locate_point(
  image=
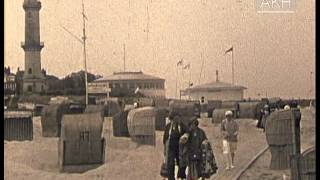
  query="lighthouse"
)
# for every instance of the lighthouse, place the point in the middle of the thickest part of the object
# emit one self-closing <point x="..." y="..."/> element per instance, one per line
<point x="34" y="77"/>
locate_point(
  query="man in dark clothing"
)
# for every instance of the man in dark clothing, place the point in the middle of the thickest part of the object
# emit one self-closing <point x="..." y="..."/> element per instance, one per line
<point x="194" y="154"/>
<point x="263" y="113"/>
<point x="297" y="119"/>
<point x="259" y="117"/>
<point x="173" y="131"/>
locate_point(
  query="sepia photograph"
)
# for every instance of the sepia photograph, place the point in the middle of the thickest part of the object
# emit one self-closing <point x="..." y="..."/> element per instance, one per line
<point x="159" y="90"/>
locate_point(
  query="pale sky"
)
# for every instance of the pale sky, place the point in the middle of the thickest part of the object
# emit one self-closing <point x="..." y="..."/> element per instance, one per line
<point x="273" y="53"/>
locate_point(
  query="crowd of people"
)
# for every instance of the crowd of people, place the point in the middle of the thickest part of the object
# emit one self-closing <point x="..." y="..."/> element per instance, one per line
<point x="184" y="145"/>
<point x="187" y="146"/>
<point x="266" y="111"/>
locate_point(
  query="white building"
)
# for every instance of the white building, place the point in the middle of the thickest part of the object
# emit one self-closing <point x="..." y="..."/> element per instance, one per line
<point x="122" y="83"/>
<point x="215" y="90"/>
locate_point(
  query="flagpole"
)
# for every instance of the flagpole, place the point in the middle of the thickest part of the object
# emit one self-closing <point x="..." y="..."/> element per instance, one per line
<point x="182" y="66"/>
<point x="189" y="82"/>
<point x="232" y="68"/>
<point x="84" y="52"/>
<point x="189" y="77"/>
<point x="201" y="68"/>
<point x="177" y="82"/>
<point x="180" y="82"/>
<point x="182" y="72"/>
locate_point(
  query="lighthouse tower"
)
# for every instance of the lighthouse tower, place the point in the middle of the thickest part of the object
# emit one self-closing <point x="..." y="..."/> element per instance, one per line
<point x="34" y="77"/>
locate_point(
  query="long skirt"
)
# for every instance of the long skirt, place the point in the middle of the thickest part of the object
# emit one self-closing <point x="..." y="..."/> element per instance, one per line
<point x="194" y="170"/>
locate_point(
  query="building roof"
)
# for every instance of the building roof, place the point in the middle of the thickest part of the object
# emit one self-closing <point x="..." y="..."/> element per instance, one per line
<point x="128" y="76"/>
<point x="216" y="85"/>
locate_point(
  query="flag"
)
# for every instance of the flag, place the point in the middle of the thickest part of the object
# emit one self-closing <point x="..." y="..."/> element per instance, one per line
<point x="85" y="16"/>
<point x="231" y="49"/>
<point x="180" y="63"/>
<point x="187" y="66"/>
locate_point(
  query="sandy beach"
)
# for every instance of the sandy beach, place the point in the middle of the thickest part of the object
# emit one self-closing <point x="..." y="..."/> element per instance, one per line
<point x="38" y="159"/>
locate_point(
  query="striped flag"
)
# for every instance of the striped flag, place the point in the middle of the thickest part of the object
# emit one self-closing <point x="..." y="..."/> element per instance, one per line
<point x="180" y="63"/>
<point x="229" y="50"/>
<point x="187" y="66"/>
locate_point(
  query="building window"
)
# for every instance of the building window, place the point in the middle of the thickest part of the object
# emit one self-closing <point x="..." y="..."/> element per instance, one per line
<point x="111" y="85"/>
<point x="30" y="88"/>
<point x="29" y="71"/>
<point x="146" y="85"/>
<point x="125" y="85"/>
<point x="84" y="136"/>
<point x="202" y="99"/>
<point x="139" y="85"/>
<point x="151" y="86"/>
<point x="116" y="85"/>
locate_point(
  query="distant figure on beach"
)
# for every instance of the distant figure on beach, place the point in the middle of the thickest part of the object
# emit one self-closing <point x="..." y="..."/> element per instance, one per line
<point x="173" y="131"/>
<point x="265" y="114"/>
<point x="259" y="123"/>
<point x="297" y="120"/>
<point x="229" y="130"/>
<point x="286" y="107"/>
<point x="135" y="105"/>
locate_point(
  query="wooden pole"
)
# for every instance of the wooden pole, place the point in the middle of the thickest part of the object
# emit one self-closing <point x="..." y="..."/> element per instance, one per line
<point x="84" y="52"/>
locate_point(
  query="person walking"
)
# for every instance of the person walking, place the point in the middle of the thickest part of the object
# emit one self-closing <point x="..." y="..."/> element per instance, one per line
<point x="173" y="131"/>
<point x="265" y="115"/>
<point x="194" y="152"/>
<point x="297" y="120"/>
<point x="259" y="117"/>
<point x="229" y="130"/>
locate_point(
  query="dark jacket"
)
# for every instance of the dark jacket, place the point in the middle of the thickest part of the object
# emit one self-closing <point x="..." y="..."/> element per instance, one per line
<point x="196" y="137"/>
<point x="178" y="130"/>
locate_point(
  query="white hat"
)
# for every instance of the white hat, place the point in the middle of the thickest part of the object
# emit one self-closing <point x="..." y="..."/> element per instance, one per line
<point x="135" y="105"/>
<point x="228" y="113"/>
<point x="286" y="107"/>
<point x="266" y="106"/>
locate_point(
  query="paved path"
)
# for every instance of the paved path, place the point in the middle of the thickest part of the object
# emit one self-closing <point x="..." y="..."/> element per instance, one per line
<point x="251" y="142"/>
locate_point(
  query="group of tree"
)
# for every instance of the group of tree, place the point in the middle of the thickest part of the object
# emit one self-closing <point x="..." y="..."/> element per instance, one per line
<point x="72" y="84"/>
